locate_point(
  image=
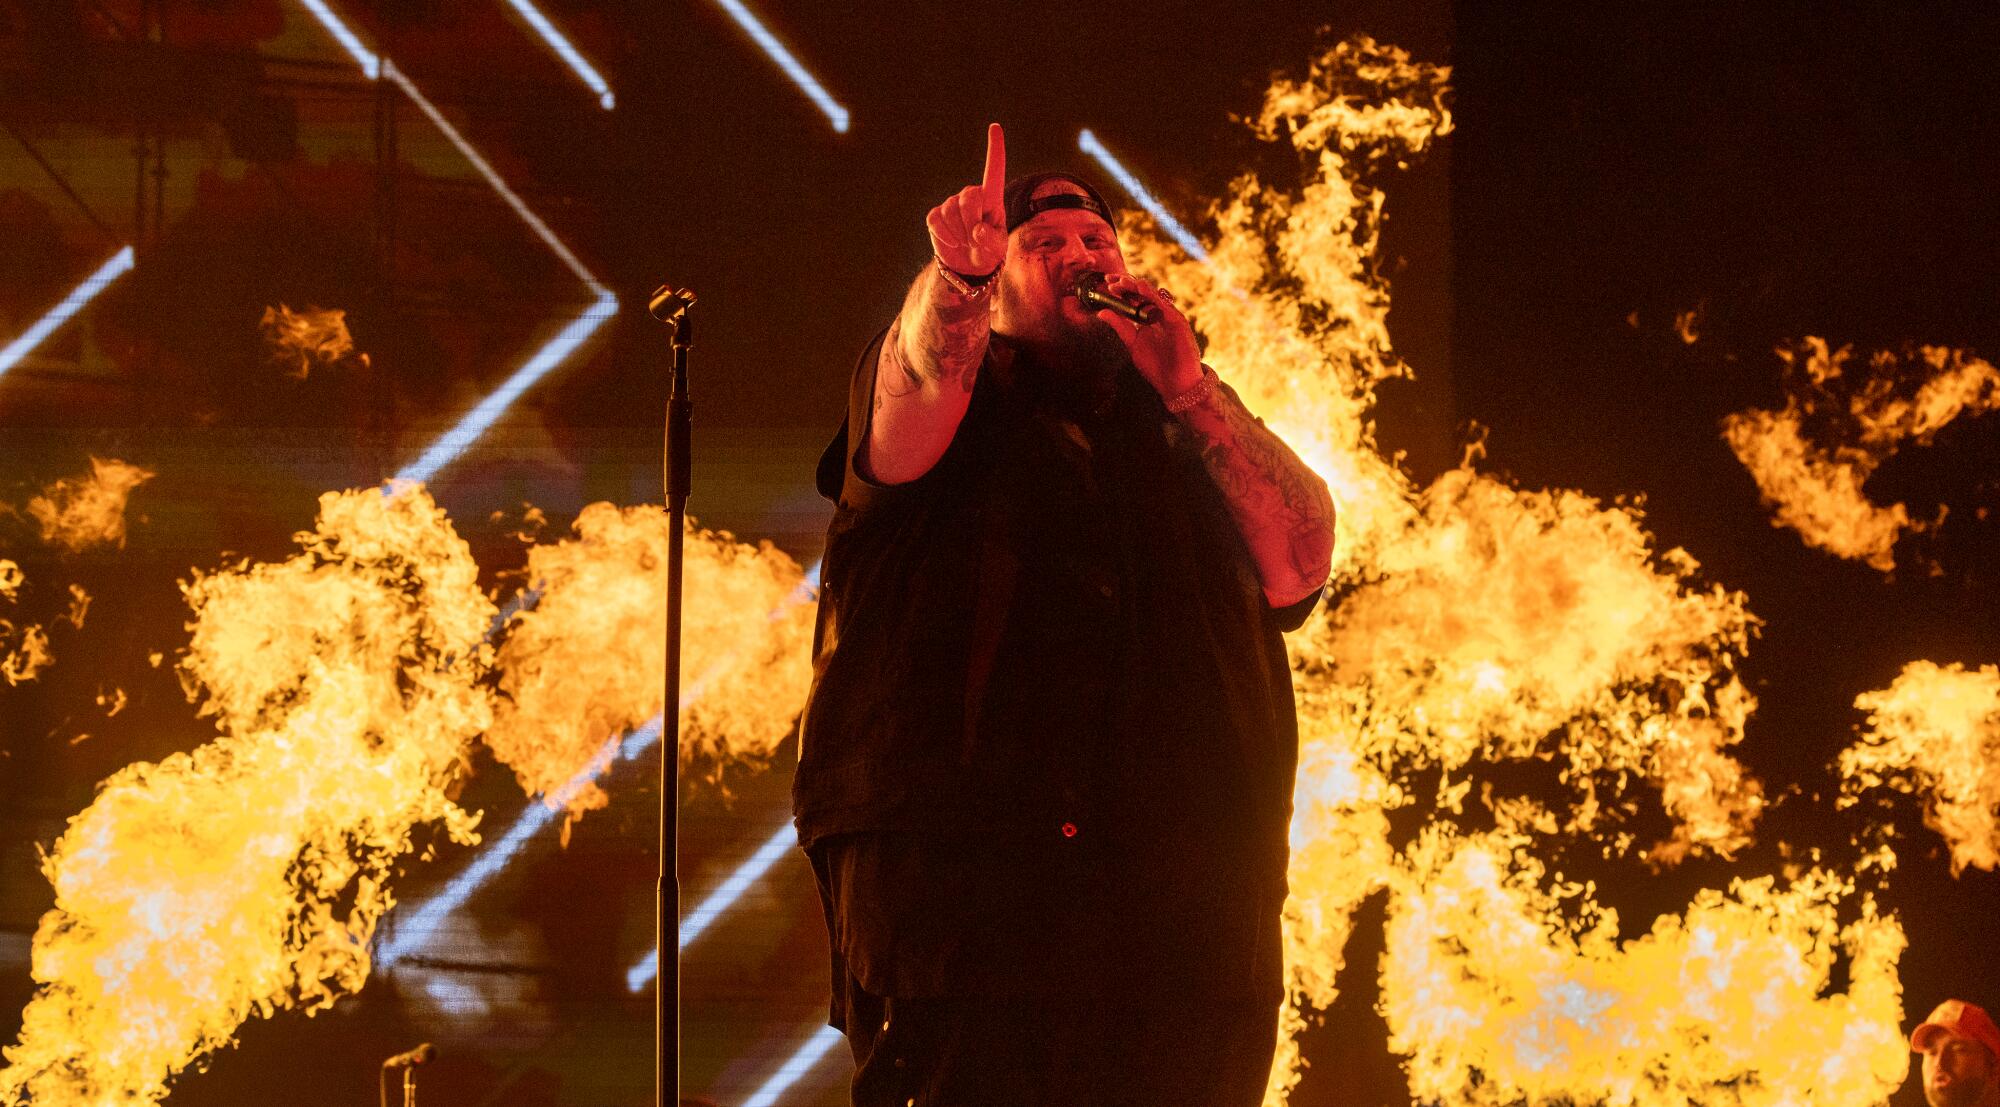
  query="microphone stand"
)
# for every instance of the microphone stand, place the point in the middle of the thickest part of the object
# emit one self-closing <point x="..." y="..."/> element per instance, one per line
<point x="670" y="306"/>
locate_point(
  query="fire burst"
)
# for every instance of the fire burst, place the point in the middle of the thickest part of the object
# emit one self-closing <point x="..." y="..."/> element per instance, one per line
<point x="583" y="663"/>
<point x="79" y="512"/>
<point x="1935" y="732"/>
<point x="1814" y="486"/>
<point x="250" y="874"/>
<point x="1477" y="624"/>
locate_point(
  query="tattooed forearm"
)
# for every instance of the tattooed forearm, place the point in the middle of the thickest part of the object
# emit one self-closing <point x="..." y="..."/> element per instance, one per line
<point x="940" y="336"/>
<point x="923" y="382"/>
<point x="1282" y="507"/>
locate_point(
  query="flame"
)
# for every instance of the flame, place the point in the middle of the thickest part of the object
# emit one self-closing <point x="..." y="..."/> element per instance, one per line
<point x="248" y="875"/>
<point x="24" y="650"/>
<point x="1813" y="482"/>
<point x="1476" y="623"/>
<point x="79" y="512"/>
<point x="1486" y="973"/>
<point x="585" y="662"/>
<point x="306" y="339"/>
<point x="113" y="700"/>
<point x="1935" y="732"/>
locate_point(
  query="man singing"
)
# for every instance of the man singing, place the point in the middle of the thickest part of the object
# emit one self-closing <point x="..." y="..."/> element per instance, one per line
<point x="1046" y="768"/>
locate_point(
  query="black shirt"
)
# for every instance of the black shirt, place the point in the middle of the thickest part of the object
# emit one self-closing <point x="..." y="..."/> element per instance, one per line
<point x="1051" y="737"/>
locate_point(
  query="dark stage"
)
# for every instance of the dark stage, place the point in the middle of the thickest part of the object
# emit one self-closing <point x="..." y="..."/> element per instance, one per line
<point x="1650" y="725"/>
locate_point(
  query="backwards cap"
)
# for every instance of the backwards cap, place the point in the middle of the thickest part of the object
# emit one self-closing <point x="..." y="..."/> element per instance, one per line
<point x="1022" y="206"/>
<point x="1960" y="1019"/>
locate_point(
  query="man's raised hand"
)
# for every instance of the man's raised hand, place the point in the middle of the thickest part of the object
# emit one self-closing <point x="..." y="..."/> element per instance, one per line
<point x="969" y="230"/>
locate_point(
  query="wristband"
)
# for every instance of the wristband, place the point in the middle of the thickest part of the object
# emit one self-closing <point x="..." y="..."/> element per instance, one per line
<point x="969" y="287"/>
<point x="1196" y="393"/>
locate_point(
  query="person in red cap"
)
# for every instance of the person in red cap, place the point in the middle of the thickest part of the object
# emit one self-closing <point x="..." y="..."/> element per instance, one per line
<point x="1961" y="1049"/>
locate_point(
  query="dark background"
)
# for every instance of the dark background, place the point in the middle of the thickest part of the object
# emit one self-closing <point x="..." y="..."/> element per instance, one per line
<point x="1784" y="169"/>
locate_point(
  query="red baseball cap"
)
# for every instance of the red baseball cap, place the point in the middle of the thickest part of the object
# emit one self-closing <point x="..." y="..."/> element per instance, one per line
<point x="1959" y="1018"/>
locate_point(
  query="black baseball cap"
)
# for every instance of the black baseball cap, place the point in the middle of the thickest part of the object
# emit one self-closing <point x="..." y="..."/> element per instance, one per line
<point x="1022" y="206"/>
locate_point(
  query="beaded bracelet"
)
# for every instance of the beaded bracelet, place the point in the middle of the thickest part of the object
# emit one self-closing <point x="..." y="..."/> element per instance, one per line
<point x="1195" y="394"/>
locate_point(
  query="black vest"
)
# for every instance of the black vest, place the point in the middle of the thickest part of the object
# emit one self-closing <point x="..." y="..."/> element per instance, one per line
<point x="1056" y="630"/>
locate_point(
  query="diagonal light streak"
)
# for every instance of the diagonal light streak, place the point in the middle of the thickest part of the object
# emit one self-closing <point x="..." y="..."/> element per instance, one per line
<point x="484" y="414"/>
<point x="795" y="1067"/>
<point x="1089" y="144"/>
<point x="424" y="919"/>
<point x="82" y="294"/>
<point x="413" y="932"/>
<point x="783" y="842"/>
<point x="493" y="178"/>
<point x="604" y="304"/>
<point x="368" y="60"/>
<point x="570" y="55"/>
<point x="776" y="51"/>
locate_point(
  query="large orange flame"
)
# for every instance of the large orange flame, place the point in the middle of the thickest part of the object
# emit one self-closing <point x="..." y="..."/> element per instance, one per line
<point x="1935" y="732"/>
<point x="1813" y="483"/>
<point x="1478" y="623"/>
<point x="1498" y="995"/>
<point x="585" y="661"/>
<point x="249" y="875"/>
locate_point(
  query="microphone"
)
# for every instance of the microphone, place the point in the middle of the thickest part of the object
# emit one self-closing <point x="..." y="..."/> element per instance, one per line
<point x="418" y="1056"/>
<point x="1090" y="289"/>
<point x="666" y="302"/>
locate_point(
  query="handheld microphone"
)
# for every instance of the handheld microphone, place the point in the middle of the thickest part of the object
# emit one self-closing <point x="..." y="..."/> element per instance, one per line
<point x="423" y="1054"/>
<point x="1090" y="289"/>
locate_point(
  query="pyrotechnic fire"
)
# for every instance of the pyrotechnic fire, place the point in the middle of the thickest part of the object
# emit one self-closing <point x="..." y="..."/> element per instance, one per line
<point x="305" y="339"/>
<point x="1813" y="482"/>
<point x="79" y="512"/>
<point x="1935" y="732"/>
<point x="249" y="875"/>
<point x="584" y="662"/>
<point x="24" y="650"/>
<point x="1478" y="623"/>
<point x="1500" y="996"/>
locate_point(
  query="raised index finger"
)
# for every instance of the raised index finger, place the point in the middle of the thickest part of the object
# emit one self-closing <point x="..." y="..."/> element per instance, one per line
<point x="995" y="184"/>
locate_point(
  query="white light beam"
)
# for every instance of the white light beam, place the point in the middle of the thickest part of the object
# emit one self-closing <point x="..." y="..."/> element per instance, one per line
<point x="368" y="60"/>
<point x="722" y="899"/>
<point x="481" y="418"/>
<point x="795" y="1067"/>
<point x="568" y="53"/>
<point x="758" y="33"/>
<point x="1088" y="143"/>
<point x="415" y="930"/>
<point x="82" y="294"/>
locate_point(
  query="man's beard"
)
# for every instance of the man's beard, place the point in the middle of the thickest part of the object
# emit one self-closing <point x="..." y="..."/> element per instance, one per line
<point x="1074" y="370"/>
<point x="1961" y="1093"/>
